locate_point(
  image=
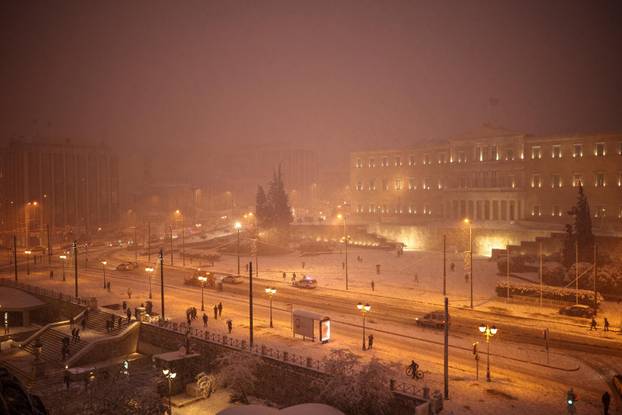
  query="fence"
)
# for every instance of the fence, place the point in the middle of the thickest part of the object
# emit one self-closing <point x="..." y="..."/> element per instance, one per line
<point x="57" y="295"/>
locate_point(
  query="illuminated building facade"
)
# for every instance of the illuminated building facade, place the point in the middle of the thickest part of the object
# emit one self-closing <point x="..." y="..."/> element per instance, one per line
<point x="491" y="175"/>
<point x="60" y="185"/>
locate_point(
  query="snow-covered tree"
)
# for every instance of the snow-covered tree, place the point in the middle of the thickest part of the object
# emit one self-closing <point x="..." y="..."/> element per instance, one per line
<point x="583" y="227"/>
<point x="238" y="372"/>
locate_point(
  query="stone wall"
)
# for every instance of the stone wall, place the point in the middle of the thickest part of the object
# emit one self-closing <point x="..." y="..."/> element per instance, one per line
<point x="108" y="348"/>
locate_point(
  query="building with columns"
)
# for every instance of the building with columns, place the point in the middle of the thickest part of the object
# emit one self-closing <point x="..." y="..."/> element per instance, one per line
<point x="492" y="175"/>
<point x="60" y="185"/>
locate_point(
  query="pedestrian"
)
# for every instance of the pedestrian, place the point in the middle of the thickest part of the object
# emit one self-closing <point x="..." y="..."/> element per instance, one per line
<point x="378" y="269"/>
<point x="188" y="319"/>
<point x="73" y="334"/>
<point x="373" y="285"/>
<point x="606" y="401"/>
<point x="129" y="315"/>
<point x="284" y="275"/>
<point x="215" y="312"/>
<point x="66" y="379"/>
<point x="452" y="267"/>
<point x="204" y="320"/>
<point x="606" y="324"/>
<point x="220" y="309"/>
<point x="303" y="265"/>
<point x="294" y="276"/>
<point x="466" y="278"/>
<point x="71" y="321"/>
<point x="108" y="286"/>
<point x="78" y="336"/>
<point x="229" y="325"/>
<point x="83" y="323"/>
<point x="370" y="341"/>
<point x="593" y="324"/>
<point x="51" y="274"/>
<point x="107" y="326"/>
<point x="129" y="293"/>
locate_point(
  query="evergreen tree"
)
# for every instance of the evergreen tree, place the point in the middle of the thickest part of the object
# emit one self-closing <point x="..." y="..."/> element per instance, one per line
<point x="582" y="228"/>
<point x="262" y="209"/>
<point x="568" y="251"/>
<point x="278" y="202"/>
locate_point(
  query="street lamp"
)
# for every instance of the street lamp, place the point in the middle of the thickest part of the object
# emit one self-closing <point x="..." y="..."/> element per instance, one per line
<point x="468" y="222"/>
<point x="170" y="376"/>
<point x="149" y="271"/>
<point x="104" y="262"/>
<point x="183" y="243"/>
<point x="364" y="309"/>
<point x="28" y="252"/>
<point x="487" y="331"/>
<point x="345" y="238"/>
<point x="238" y="226"/>
<point x="270" y="291"/>
<point x="64" y="259"/>
<point x="203" y="279"/>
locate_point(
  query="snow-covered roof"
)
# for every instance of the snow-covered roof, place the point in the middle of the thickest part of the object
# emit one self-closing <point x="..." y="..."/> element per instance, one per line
<point x="12" y="299"/>
<point x="304" y="409"/>
<point x="308" y="314"/>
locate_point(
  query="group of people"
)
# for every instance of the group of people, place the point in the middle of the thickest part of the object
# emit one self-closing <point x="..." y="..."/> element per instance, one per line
<point x="594" y="324"/>
<point x="110" y="324"/>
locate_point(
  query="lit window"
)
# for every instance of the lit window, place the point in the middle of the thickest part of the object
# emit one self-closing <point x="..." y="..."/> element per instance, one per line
<point x="426" y="186"/>
<point x="600" y="212"/>
<point x="359" y="208"/>
<point x="384" y="209"/>
<point x="536" y="152"/>
<point x="427" y="210"/>
<point x="412" y="210"/>
<point x="557" y="151"/>
<point x="600" y="180"/>
<point x="398" y="184"/>
<point x="440" y="184"/>
<point x="371" y="185"/>
<point x="620" y="149"/>
<point x="397" y="162"/>
<point x="536" y="181"/>
<point x="442" y="158"/>
<point x="426" y="159"/>
<point x="577" y="180"/>
<point x="412" y="184"/>
<point x="385" y="184"/>
<point x="620" y="179"/>
<point x="371" y="209"/>
<point x="535" y="211"/>
<point x="600" y="150"/>
<point x="359" y="186"/>
<point x="556" y="211"/>
<point x="411" y="161"/>
<point x="495" y="153"/>
<point x="556" y="181"/>
<point x="385" y="162"/>
<point x="461" y="157"/>
<point x="359" y="163"/>
<point x="509" y="154"/>
<point x="620" y="213"/>
<point x="371" y="163"/>
<point x="577" y="150"/>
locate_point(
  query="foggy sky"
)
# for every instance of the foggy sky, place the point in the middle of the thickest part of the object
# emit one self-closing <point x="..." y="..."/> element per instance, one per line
<point x="223" y="75"/>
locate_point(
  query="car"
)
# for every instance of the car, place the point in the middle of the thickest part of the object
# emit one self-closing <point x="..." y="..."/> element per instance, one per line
<point x="230" y="279"/>
<point x="194" y="279"/>
<point x="617" y="384"/>
<point x="127" y="266"/>
<point x="577" y="310"/>
<point x="435" y="319"/>
<point x="306" y="282"/>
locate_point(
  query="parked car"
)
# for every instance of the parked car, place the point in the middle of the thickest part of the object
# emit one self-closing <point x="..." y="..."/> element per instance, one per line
<point x="306" y="282"/>
<point x="127" y="266"/>
<point x="435" y="319"/>
<point x="617" y="384"/>
<point x="230" y="279"/>
<point x="577" y="310"/>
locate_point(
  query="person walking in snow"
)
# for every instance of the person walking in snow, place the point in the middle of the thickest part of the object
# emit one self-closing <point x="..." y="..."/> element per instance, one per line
<point x="215" y="312"/>
<point x="593" y="324"/>
<point x="370" y="341"/>
<point x="229" y="325"/>
<point x="83" y="323"/>
<point x="373" y="285"/>
<point x="204" y="320"/>
<point x="606" y="324"/>
<point x="606" y="399"/>
<point x="129" y="315"/>
<point x="220" y="309"/>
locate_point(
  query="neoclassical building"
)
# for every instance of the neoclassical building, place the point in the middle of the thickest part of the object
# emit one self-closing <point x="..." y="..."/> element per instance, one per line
<point x="491" y="175"/>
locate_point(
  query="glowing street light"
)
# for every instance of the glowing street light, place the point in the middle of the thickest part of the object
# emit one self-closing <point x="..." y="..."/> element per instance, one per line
<point x="149" y="271"/>
<point x="28" y="252"/>
<point x="170" y="376"/>
<point x="203" y="279"/>
<point x="64" y="259"/>
<point x="104" y="262"/>
<point x="270" y="291"/>
<point x="488" y="332"/>
<point x="364" y="309"/>
<point x="237" y="227"/>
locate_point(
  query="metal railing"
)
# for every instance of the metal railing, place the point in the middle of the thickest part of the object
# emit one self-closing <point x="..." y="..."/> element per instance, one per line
<point x="57" y="295"/>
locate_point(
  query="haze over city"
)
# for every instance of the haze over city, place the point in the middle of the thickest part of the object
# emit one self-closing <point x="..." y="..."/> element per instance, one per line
<point x="326" y="207"/>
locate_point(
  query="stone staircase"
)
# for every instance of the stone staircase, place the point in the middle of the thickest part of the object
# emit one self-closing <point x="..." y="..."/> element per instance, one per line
<point x="52" y="341"/>
<point x="97" y="321"/>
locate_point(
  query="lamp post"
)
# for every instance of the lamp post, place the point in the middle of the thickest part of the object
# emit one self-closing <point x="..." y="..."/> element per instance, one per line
<point x="488" y="332"/>
<point x="238" y="226"/>
<point x="364" y="309"/>
<point x="345" y="238"/>
<point x="183" y="243"/>
<point x="203" y="279"/>
<point x="468" y="222"/>
<point x="104" y="262"/>
<point x="169" y="376"/>
<point x="28" y="252"/>
<point x="64" y="259"/>
<point x="161" y="259"/>
<point x="149" y="271"/>
<point x="270" y="291"/>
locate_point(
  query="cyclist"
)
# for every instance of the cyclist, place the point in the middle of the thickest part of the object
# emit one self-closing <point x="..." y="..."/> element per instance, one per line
<point x="414" y="366"/>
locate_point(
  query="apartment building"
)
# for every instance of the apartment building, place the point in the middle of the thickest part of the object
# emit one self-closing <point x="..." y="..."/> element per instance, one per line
<point x="490" y="175"/>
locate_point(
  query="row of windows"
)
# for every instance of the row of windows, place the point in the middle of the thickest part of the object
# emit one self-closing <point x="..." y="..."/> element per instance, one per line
<point x="556" y="211"/>
<point x="487" y="153"/>
<point x="398" y="184"/>
<point x="577" y="180"/>
<point x="397" y="210"/>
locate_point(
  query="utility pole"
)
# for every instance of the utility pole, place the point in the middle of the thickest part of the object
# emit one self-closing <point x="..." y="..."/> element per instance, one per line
<point x="75" y="265"/>
<point x="595" y="274"/>
<point x="444" y="265"/>
<point x="135" y="245"/>
<point x="183" y="243"/>
<point x="471" y="260"/>
<point x="171" y="229"/>
<point x="149" y="242"/>
<point x="47" y="228"/>
<point x="540" y="270"/>
<point x="161" y="259"/>
<point x="507" y="254"/>
<point x="576" y="271"/>
<point x="15" y="255"/>
<point x="446" y="349"/>
<point x="250" y="302"/>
